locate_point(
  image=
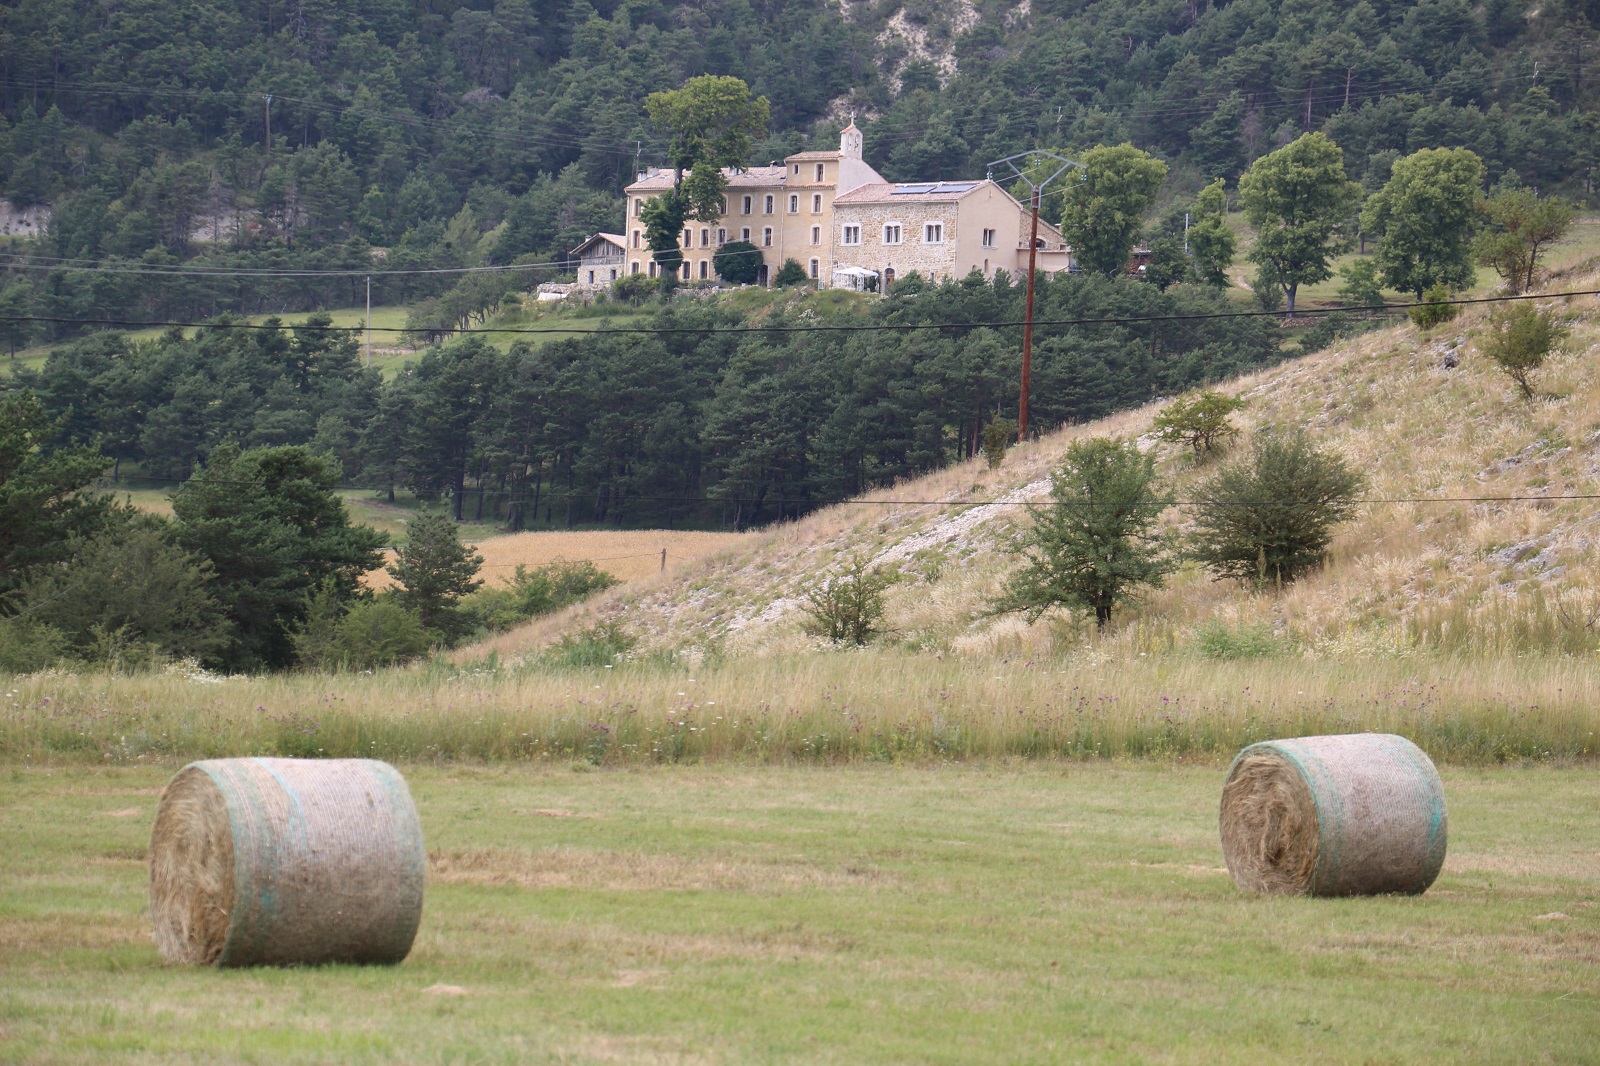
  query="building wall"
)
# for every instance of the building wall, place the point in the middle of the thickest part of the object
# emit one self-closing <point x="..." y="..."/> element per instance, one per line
<point x="914" y="252"/>
<point x="792" y="215"/>
<point x="777" y="233"/>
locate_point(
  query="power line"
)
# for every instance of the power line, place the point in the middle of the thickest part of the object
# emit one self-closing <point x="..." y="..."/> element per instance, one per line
<point x="1202" y="106"/>
<point x="1375" y="309"/>
<point x="93" y="266"/>
<point x="558" y="494"/>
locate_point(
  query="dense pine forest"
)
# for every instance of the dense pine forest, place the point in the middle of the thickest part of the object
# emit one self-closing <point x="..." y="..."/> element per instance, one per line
<point x="306" y="135"/>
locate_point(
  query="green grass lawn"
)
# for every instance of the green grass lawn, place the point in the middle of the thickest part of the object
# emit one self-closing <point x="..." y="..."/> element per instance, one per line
<point x="553" y="326"/>
<point x="1581" y="245"/>
<point x="1023" y="913"/>
<point x="364" y="506"/>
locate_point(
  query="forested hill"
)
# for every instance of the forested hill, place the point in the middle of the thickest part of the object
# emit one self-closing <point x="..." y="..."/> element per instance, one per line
<point x="452" y="135"/>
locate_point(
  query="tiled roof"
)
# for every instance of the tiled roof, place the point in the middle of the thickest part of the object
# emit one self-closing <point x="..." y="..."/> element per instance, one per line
<point x="751" y="178"/>
<point x="616" y="239"/>
<point x="757" y="176"/>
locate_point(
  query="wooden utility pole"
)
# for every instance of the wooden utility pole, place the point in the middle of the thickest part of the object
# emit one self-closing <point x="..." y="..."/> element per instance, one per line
<point x="1020" y="164"/>
<point x="1027" y="324"/>
<point x="269" y="128"/>
<point x="369" y="321"/>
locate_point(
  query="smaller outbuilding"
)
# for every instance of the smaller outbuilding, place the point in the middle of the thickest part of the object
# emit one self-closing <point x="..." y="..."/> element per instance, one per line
<point x="601" y="260"/>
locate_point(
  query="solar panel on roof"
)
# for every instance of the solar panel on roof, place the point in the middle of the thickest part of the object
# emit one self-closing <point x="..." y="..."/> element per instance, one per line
<point x="907" y="190"/>
<point x="958" y="186"/>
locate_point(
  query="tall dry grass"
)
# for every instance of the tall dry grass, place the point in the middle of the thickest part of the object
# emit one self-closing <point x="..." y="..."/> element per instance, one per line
<point x="869" y="705"/>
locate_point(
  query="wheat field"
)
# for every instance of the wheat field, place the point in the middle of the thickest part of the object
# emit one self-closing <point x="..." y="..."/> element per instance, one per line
<point x="624" y="554"/>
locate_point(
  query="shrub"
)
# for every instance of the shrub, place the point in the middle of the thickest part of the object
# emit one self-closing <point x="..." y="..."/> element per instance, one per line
<point x="791" y="273"/>
<point x="1331" y="328"/>
<point x="997" y="437"/>
<point x="847" y="607"/>
<point x="635" y="288"/>
<point x="1361" y="287"/>
<point x="600" y="645"/>
<point x="539" y="591"/>
<point x="367" y="634"/>
<point x="130" y="596"/>
<point x="1268" y="291"/>
<point x="1215" y="640"/>
<point x="1268" y="517"/>
<point x="1200" y="421"/>
<point x="27" y="647"/>
<point x="738" y="263"/>
<point x="1519" y="338"/>
<point x="1435" y="309"/>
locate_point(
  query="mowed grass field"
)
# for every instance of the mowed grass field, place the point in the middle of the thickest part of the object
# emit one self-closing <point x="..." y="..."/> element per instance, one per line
<point x="1034" y="912"/>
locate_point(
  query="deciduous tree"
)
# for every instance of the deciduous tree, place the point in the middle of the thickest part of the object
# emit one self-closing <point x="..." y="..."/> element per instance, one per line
<point x="1519" y="338"/>
<point x="1300" y="203"/>
<point x="1425" y="216"/>
<point x="1211" y="243"/>
<point x="1522" y="226"/>
<point x="1268" y="517"/>
<point x="1106" y="202"/>
<point x="1096" y="541"/>
<point x="710" y="123"/>
<point x="1199" y="420"/>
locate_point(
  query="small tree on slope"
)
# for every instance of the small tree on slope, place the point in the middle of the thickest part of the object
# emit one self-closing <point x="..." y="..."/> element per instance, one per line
<point x="1096" y="541"/>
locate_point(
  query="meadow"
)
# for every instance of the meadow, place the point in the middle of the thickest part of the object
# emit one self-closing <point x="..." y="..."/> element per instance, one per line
<point x="1037" y="912"/>
<point x="827" y="707"/>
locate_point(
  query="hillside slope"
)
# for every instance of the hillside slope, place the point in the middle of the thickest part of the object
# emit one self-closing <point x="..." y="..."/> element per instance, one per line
<point x="1439" y="560"/>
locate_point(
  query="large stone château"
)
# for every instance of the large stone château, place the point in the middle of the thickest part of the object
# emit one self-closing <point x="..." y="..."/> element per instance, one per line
<point x="848" y="226"/>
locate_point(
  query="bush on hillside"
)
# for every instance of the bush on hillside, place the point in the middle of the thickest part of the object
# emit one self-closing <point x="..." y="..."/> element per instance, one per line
<point x="1519" y="338"/>
<point x="1267" y="518"/>
<point x="1200" y="421"/>
<point x="533" y="592"/>
<point x="847" y="607"/>
<point x="1435" y="310"/>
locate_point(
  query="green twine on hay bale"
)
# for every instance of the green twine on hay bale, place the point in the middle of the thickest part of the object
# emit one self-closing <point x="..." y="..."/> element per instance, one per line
<point x="1353" y="815"/>
<point x="281" y="862"/>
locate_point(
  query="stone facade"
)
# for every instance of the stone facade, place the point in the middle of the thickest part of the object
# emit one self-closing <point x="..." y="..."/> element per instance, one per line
<point x="602" y="259"/>
<point x="835" y="215"/>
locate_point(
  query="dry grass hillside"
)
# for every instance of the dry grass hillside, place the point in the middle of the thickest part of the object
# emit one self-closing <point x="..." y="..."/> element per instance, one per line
<point x="1440" y="560"/>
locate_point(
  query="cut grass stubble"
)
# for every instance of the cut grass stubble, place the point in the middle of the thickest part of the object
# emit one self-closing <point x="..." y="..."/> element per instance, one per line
<point x="934" y="914"/>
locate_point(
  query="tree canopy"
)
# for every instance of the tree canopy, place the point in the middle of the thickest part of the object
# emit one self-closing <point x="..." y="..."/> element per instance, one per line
<point x="1301" y="205"/>
<point x="1096" y="542"/>
<point x="273" y="531"/>
<point x="1425" y="216"/>
<point x="1105" y="202"/>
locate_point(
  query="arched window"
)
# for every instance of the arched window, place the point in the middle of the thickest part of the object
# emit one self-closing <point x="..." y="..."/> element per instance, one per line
<point x="816" y="269"/>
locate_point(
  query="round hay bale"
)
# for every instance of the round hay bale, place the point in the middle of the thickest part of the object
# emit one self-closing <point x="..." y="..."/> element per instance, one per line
<point x="1352" y="815"/>
<point x="280" y="862"/>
